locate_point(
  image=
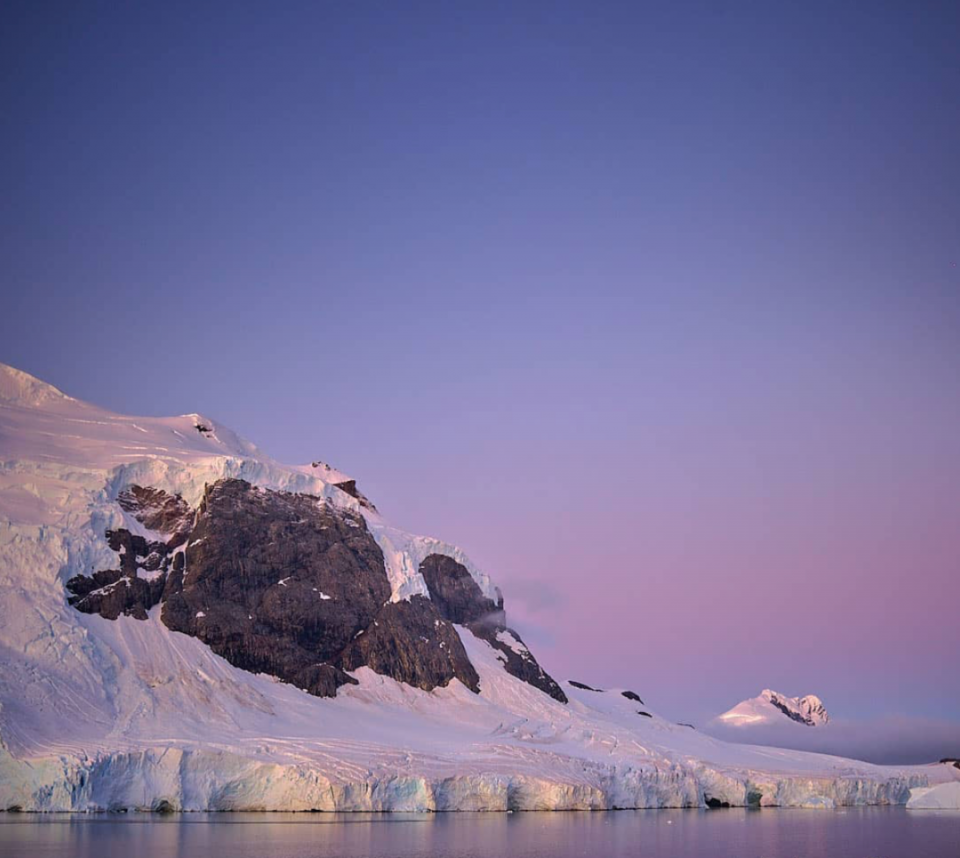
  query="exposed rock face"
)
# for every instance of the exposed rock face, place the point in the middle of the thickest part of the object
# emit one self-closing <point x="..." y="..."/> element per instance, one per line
<point x="112" y="592"/>
<point x="517" y="659"/>
<point x="460" y="600"/>
<point x="454" y="591"/>
<point x="411" y="642"/>
<point x="350" y="487"/>
<point x="278" y="583"/>
<point x="115" y="592"/>
<point x="807" y="710"/>
<point x="157" y="510"/>
<point x="812" y="708"/>
<point x="290" y="585"/>
<point x="632" y="695"/>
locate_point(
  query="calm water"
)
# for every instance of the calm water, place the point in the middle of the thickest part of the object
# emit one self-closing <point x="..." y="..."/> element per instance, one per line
<point x="860" y="833"/>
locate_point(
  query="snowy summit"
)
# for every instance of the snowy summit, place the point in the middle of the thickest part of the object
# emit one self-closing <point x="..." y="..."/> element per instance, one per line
<point x="771" y="707"/>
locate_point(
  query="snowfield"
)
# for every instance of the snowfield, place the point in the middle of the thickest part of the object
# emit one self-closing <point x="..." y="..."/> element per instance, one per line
<point x="941" y="797"/>
<point x="99" y="714"/>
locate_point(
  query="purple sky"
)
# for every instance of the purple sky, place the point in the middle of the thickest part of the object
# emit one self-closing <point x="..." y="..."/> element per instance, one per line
<point x="655" y="312"/>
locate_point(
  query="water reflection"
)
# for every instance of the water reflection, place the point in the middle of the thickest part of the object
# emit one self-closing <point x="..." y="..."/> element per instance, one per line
<point x="855" y="833"/>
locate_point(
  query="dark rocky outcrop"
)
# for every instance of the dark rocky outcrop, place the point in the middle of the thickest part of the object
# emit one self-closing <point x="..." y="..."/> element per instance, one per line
<point x="295" y="587"/>
<point x="455" y="592"/>
<point x="156" y="510"/>
<point x="288" y="585"/>
<point x="632" y="695"/>
<point x="411" y="642"/>
<point x="278" y="583"/>
<point x="517" y="660"/>
<point x="645" y="714"/>
<point x="115" y="592"/>
<point x="951" y="761"/>
<point x="584" y="687"/>
<point x="792" y="714"/>
<point x="111" y="594"/>
<point x="460" y="600"/>
<point x="274" y="582"/>
<point x="350" y="487"/>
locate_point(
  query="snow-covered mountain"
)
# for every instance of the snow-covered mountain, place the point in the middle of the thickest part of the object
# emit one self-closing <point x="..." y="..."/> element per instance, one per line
<point x="771" y="707"/>
<point x="187" y="623"/>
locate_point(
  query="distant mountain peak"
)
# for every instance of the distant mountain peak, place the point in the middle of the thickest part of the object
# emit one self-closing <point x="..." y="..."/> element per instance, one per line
<point x="770" y="707"/>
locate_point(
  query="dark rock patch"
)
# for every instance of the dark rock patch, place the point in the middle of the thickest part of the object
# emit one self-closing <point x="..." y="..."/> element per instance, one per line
<point x="460" y="600"/>
<point x="274" y="582"/>
<point x="714" y="803"/>
<point x="157" y="510"/>
<point x="583" y="686"/>
<point x="517" y="660"/>
<point x="645" y="714"/>
<point x="454" y="591"/>
<point x="632" y="695"/>
<point x="350" y="487"/>
<point x="791" y="714"/>
<point x="295" y="587"/>
<point x="951" y="761"/>
<point x="174" y="576"/>
<point x="321" y="680"/>
<point x="685" y="724"/>
<point x="411" y="642"/>
<point x="115" y="592"/>
<point x="278" y="582"/>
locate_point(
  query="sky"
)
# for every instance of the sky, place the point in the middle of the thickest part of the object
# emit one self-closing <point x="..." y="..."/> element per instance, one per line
<point x="654" y="308"/>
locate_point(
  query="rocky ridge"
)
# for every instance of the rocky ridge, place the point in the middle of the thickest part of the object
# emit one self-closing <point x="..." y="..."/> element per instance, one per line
<point x="295" y="587"/>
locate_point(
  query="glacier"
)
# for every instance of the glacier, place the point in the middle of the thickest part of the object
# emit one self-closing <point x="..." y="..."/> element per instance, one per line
<point x="124" y="714"/>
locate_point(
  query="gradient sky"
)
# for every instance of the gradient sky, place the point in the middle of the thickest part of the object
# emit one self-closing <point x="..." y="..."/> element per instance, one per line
<point x="653" y="308"/>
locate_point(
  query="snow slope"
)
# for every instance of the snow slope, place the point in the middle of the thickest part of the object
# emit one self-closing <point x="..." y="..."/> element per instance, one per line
<point x="941" y="797"/>
<point x="108" y="714"/>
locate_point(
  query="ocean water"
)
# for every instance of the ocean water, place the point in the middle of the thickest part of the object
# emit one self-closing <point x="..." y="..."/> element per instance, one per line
<point x="851" y="833"/>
